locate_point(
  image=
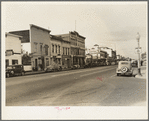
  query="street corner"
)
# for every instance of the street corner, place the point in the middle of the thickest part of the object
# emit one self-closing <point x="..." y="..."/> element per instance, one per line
<point x="140" y="77"/>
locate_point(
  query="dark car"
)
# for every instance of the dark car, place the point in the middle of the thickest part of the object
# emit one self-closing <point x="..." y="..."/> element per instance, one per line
<point x="15" y="70"/>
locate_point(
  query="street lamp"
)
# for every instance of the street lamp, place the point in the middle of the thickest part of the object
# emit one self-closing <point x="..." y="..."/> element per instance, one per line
<point x="138" y="39"/>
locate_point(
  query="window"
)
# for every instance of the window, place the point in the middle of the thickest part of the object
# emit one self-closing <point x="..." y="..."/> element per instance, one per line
<point x="41" y="48"/>
<point x="47" y="61"/>
<point x="68" y="51"/>
<point x="56" y="48"/>
<point x="46" y="50"/>
<point x="63" y="50"/>
<point x="35" y="47"/>
<point x="14" y="62"/>
<point x="59" y="49"/>
<point x="59" y="62"/>
<point x="7" y="63"/>
<point x="52" y="48"/>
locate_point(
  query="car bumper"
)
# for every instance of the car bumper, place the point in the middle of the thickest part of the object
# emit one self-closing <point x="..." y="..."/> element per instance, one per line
<point x="126" y="73"/>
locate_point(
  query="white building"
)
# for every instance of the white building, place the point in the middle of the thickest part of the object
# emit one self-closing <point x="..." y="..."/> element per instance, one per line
<point x="12" y="49"/>
<point x="36" y="41"/>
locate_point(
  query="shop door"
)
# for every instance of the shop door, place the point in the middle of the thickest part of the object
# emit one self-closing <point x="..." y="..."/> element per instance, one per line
<point x="35" y="63"/>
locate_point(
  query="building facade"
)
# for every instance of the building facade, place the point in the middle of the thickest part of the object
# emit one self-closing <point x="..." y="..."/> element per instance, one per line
<point x="37" y="41"/>
<point x="12" y="49"/>
<point x="77" y="47"/>
<point x="60" y="51"/>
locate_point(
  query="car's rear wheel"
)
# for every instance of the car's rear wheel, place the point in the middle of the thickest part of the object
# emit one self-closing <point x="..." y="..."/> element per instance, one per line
<point x="22" y="73"/>
<point x="118" y="74"/>
<point x="7" y="75"/>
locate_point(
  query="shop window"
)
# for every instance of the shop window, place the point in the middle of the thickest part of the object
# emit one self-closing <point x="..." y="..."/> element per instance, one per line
<point x="47" y="61"/>
<point x="59" y="62"/>
<point x="14" y="62"/>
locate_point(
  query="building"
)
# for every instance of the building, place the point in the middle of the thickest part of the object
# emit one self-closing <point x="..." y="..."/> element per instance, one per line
<point x="77" y="43"/>
<point x="60" y="51"/>
<point x="36" y="41"/>
<point x="111" y="53"/>
<point x="12" y="49"/>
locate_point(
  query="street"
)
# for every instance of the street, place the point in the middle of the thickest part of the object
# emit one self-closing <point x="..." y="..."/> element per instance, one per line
<point x="97" y="86"/>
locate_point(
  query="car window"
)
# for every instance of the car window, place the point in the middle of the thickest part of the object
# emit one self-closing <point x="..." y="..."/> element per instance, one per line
<point x="124" y="63"/>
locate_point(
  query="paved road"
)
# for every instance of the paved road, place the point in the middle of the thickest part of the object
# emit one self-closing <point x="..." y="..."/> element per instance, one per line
<point x="97" y="86"/>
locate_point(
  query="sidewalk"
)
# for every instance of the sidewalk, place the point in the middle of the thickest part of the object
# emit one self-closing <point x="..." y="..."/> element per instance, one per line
<point x="40" y="72"/>
<point x="143" y="73"/>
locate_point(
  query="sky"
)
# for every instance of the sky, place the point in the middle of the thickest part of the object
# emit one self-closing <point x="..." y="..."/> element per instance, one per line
<point x="110" y="24"/>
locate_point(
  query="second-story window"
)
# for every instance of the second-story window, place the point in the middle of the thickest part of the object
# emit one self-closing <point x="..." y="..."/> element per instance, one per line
<point x="46" y="50"/>
<point x="52" y="48"/>
<point x="56" y="48"/>
<point x="35" y="47"/>
<point x="59" y="49"/>
<point x="41" y="48"/>
<point x="68" y="51"/>
<point x="63" y="51"/>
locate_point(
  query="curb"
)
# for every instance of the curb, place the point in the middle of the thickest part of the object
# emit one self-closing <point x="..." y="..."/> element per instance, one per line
<point x="140" y="77"/>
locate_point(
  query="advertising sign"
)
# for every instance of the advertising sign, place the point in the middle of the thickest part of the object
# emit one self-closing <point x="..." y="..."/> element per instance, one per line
<point x="138" y="50"/>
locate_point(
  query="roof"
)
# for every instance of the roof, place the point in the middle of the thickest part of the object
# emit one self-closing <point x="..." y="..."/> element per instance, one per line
<point x="32" y="25"/>
<point x="24" y="33"/>
<point x="58" y="38"/>
<point x="76" y="33"/>
<point x="9" y="34"/>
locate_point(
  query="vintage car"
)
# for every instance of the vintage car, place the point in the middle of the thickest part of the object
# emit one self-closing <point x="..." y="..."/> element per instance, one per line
<point x="124" y="68"/>
<point x="14" y="70"/>
<point x="53" y="68"/>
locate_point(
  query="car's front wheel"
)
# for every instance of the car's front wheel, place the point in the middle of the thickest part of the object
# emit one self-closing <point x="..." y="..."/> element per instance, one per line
<point x="118" y="74"/>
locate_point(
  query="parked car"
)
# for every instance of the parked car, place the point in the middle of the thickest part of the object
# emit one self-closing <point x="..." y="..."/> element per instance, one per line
<point x="124" y="68"/>
<point x="14" y="70"/>
<point x="53" y="68"/>
<point x="75" y="66"/>
<point x="134" y="63"/>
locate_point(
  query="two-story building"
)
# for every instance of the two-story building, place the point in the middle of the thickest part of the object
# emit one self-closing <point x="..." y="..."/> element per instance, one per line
<point x="36" y="40"/>
<point x="77" y="43"/>
<point x="60" y="51"/>
<point x="12" y="49"/>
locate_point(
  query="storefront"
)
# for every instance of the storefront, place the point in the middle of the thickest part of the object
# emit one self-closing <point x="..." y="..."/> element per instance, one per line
<point x="66" y="61"/>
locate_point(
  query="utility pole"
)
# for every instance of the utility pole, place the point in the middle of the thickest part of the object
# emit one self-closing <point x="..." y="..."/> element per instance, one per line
<point x="138" y="39"/>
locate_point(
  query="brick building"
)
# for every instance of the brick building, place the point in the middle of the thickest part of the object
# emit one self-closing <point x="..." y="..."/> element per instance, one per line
<point x="77" y="44"/>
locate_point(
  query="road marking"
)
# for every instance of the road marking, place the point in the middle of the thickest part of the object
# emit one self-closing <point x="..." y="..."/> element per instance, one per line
<point x="96" y="72"/>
